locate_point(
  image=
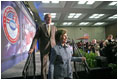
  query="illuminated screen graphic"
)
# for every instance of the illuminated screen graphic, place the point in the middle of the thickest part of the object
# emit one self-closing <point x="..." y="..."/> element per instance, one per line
<point x="17" y="32"/>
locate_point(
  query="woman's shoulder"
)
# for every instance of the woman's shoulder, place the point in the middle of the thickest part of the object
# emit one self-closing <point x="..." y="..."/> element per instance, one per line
<point x="56" y="47"/>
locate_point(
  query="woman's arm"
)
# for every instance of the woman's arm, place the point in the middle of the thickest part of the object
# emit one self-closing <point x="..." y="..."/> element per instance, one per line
<point x="78" y="59"/>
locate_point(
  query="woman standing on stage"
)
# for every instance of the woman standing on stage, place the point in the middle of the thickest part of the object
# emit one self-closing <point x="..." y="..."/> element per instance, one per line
<point x="60" y="59"/>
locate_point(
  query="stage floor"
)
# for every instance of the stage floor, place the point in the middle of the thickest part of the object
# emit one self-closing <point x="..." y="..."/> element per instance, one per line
<point x="16" y="71"/>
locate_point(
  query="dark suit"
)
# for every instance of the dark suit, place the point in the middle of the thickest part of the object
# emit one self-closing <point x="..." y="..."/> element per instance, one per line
<point x="46" y="43"/>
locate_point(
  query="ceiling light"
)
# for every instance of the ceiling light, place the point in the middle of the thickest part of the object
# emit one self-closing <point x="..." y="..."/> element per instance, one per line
<point x="53" y="14"/>
<point x="101" y="15"/>
<point x="70" y="16"/>
<point x="79" y="14"/>
<point x="95" y="16"/>
<point x="67" y="23"/>
<point x="113" y="17"/>
<point x="90" y="2"/>
<point x="84" y="23"/>
<point x="55" y="1"/>
<point x="86" y="2"/>
<point x="113" y="3"/>
<point x="99" y="23"/>
<point x="45" y="1"/>
<point x="81" y="2"/>
<point x="74" y="15"/>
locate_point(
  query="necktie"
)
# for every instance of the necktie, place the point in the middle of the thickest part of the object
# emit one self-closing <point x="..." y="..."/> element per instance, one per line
<point x="49" y="29"/>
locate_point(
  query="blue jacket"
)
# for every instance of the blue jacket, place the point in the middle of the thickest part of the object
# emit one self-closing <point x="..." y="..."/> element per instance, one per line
<point x="60" y="62"/>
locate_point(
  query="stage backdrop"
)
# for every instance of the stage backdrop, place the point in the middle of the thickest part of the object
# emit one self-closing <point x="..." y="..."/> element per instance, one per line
<point x="17" y="32"/>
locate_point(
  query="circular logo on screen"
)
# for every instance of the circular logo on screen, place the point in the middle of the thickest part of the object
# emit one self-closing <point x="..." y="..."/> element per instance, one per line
<point x="11" y="24"/>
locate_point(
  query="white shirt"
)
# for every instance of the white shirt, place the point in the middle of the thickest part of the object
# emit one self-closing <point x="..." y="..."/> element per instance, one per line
<point x="47" y="26"/>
